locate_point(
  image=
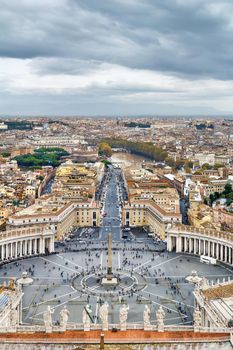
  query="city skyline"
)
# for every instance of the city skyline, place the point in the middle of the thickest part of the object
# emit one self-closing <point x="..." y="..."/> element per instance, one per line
<point x="71" y="57"/>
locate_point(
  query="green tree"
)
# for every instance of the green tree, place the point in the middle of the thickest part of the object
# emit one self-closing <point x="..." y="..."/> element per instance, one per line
<point x="105" y="150"/>
<point x="41" y="158"/>
<point x="216" y="195"/>
<point x="211" y="199"/>
<point x="206" y="166"/>
<point x="147" y="149"/>
<point x="190" y="164"/>
<point x="5" y="154"/>
<point x="217" y="166"/>
<point x="227" y="189"/>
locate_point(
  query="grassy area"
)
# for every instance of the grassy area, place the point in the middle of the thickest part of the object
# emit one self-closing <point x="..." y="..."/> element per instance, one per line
<point x="42" y="157"/>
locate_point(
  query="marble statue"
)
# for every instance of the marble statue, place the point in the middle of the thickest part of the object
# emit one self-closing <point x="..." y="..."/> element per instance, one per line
<point x="160" y="315"/>
<point x="204" y="283"/>
<point x="146" y="318"/>
<point x="86" y="318"/>
<point x="14" y="318"/>
<point x="197" y="320"/>
<point x="47" y="316"/>
<point x="123" y="316"/>
<point x="103" y="313"/>
<point x="64" y="316"/>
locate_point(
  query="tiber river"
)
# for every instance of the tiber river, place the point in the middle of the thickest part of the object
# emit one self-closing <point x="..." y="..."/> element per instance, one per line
<point x="127" y="159"/>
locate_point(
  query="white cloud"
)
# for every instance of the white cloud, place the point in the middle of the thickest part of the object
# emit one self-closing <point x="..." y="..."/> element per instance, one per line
<point x="120" y="83"/>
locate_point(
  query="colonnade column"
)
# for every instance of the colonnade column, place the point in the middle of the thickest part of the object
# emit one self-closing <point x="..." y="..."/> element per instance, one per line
<point x="208" y="248"/>
<point x="225" y="257"/>
<point x="190" y="244"/>
<point x="205" y="247"/>
<point x="42" y="246"/>
<point x="217" y="251"/>
<point x="179" y="247"/>
<point x="168" y="243"/>
<point x="20" y="248"/>
<point x="35" y="246"/>
<point x="51" y="245"/>
<point x="185" y="244"/>
<point x="213" y="250"/>
<point x="221" y="255"/>
<point x="195" y="246"/>
<point x="199" y="246"/>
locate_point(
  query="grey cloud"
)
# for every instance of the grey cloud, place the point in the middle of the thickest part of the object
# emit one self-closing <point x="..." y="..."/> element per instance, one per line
<point x="69" y="66"/>
<point x="72" y="105"/>
<point x="179" y="37"/>
<point x="184" y="38"/>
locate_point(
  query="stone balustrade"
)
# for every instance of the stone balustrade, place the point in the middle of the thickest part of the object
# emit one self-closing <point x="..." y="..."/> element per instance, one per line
<point x="130" y="326"/>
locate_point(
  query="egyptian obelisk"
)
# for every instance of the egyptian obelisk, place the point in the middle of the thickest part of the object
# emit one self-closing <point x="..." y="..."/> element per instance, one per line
<point x="109" y="279"/>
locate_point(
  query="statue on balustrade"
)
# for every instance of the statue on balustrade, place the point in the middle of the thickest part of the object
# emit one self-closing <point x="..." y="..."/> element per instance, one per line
<point x="160" y="315"/>
<point x="47" y="316"/>
<point x="14" y="318"/>
<point x="197" y="320"/>
<point x="204" y="283"/>
<point x="123" y="316"/>
<point x="146" y="318"/>
<point x="103" y="313"/>
<point x="64" y="316"/>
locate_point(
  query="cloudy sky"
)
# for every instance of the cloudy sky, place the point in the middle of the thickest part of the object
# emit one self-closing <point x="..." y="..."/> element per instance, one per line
<point x="111" y="57"/>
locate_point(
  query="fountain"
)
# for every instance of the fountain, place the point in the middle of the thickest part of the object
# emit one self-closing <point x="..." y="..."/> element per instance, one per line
<point x="25" y="280"/>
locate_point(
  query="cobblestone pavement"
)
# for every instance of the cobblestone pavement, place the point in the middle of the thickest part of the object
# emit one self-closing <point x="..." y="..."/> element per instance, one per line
<point x="161" y="277"/>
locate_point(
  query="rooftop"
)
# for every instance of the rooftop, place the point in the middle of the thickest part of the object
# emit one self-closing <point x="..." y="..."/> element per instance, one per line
<point x="220" y="291"/>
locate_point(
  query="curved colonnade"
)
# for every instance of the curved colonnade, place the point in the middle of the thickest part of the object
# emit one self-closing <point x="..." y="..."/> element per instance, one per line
<point x="198" y="241"/>
<point x="24" y="242"/>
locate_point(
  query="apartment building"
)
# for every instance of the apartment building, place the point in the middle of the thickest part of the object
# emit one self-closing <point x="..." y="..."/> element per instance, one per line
<point x="221" y="216"/>
<point x="148" y="213"/>
<point x="56" y="213"/>
<point x="213" y="186"/>
<point x="77" y="181"/>
<point x="152" y="202"/>
<point x="200" y="215"/>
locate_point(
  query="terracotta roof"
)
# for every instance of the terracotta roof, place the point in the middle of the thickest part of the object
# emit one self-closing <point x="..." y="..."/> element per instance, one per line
<point x="222" y="291"/>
